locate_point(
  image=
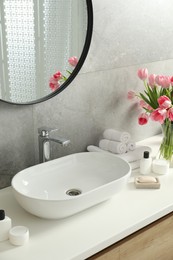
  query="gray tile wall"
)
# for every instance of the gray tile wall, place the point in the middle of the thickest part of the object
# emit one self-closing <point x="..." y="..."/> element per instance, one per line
<point x="16" y="140"/>
<point x="122" y="42"/>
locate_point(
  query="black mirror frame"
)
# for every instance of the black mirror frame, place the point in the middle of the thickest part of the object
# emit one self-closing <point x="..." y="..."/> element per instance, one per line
<point x="78" y="66"/>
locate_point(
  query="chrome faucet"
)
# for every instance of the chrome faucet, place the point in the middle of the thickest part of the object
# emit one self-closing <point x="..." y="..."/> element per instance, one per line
<point x="44" y="140"/>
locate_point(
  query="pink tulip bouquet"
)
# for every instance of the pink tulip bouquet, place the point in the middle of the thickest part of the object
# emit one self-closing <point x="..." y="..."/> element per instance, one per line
<point x="156" y="101"/>
<point x="58" y="78"/>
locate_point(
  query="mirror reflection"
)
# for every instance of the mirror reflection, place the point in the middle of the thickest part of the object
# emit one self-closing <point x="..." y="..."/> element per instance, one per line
<point x="37" y="38"/>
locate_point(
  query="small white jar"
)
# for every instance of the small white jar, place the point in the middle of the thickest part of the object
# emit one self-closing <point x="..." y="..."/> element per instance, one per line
<point x="145" y="163"/>
<point x="19" y="235"/>
<point x="160" y="166"/>
<point x="5" y="225"/>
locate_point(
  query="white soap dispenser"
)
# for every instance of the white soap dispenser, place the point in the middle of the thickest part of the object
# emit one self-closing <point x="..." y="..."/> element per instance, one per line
<point x="145" y="163"/>
<point x="5" y="225"/>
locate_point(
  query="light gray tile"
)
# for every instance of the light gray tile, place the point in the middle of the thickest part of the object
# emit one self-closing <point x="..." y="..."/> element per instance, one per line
<point x="16" y="139"/>
<point x="124" y="36"/>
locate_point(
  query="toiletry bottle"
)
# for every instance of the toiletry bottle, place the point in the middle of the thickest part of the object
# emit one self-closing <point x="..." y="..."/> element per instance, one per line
<point x="5" y="225"/>
<point x="145" y="163"/>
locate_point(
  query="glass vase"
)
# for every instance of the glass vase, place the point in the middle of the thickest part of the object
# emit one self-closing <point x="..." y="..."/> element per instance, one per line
<point x="166" y="147"/>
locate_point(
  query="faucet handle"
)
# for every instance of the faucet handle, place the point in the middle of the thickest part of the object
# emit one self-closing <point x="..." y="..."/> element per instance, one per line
<point x="45" y="131"/>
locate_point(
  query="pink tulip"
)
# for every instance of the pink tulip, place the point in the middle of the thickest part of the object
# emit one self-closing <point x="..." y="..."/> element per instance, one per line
<point x="151" y="79"/>
<point x="171" y="80"/>
<point x="142" y="74"/>
<point x="170" y="114"/>
<point x="143" y="119"/>
<point x="52" y="80"/>
<point x="163" y="81"/>
<point x="164" y="102"/>
<point x="57" y="75"/>
<point x="166" y="82"/>
<point x="131" y="95"/>
<point x="158" y="79"/>
<point x="159" y="115"/>
<point x="143" y="104"/>
<point x="149" y="108"/>
<point x="54" y="84"/>
<point x="73" y="61"/>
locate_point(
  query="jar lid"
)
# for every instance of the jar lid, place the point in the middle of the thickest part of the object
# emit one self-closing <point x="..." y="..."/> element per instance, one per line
<point x="19" y="235"/>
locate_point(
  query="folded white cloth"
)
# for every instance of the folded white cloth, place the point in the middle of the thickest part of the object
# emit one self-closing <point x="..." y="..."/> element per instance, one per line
<point x="131" y="156"/>
<point x="112" y="146"/>
<point x="135" y="165"/>
<point x="114" y="135"/>
<point x="93" y="148"/>
<point x="130" y="146"/>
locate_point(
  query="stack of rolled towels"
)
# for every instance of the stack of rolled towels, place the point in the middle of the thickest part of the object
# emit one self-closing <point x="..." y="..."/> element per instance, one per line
<point x="120" y="144"/>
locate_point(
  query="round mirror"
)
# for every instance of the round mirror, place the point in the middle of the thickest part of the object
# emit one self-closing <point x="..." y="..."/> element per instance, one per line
<point x="43" y="45"/>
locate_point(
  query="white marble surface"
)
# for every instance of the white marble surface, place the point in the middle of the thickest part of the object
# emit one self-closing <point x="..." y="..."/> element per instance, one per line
<point x="82" y="235"/>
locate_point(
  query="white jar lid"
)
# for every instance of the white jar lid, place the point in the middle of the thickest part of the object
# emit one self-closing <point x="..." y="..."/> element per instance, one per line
<point x="19" y="235"/>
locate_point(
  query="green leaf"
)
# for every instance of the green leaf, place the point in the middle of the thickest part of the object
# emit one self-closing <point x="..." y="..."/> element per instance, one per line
<point x="152" y="96"/>
<point x="69" y="72"/>
<point x="146" y="99"/>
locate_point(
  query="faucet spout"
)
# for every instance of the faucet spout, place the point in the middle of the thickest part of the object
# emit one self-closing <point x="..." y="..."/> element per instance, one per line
<point x="60" y="140"/>
<point x="45" y="140"/>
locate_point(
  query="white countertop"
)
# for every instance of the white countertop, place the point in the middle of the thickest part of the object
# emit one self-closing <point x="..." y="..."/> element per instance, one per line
<point x="86" y="233"/>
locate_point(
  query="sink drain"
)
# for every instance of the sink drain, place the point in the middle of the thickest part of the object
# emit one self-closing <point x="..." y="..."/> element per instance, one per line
<point x="73" y="192"/>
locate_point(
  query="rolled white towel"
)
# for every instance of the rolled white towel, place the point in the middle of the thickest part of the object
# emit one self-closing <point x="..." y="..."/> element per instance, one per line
<point x="104" y="144"/>
<point x="112" y="146"/>
<point x="115" y="135"/>
<point x="131" y="156"/>
<point x="130" y="146"/>
<point x="117" y="147"/>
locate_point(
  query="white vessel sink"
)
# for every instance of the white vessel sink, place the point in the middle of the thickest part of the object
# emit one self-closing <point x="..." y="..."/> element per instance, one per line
<point x="65" y="186"/>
